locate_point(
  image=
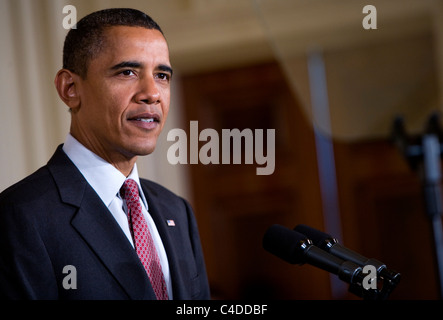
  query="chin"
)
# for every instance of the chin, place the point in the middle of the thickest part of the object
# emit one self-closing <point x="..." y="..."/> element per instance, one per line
<point x="138" y="145"/>
<point x="143" y="150"/>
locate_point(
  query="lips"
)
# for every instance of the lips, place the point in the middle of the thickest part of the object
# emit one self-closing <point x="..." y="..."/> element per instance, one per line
<point x="145" y="120"/>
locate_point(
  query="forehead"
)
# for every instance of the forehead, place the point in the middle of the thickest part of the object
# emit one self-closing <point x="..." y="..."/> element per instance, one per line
<point x="124" y="42"/>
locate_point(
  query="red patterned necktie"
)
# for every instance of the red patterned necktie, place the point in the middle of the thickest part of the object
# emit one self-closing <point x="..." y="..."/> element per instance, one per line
<point x="144" y="245"/>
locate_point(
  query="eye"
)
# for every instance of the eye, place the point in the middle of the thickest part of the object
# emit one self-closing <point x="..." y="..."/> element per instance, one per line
<point x="127" y="73"/>
<point x="163" y="76"/>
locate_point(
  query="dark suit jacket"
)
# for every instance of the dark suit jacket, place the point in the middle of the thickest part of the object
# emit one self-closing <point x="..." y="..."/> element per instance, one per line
<point x="54" y="218"/>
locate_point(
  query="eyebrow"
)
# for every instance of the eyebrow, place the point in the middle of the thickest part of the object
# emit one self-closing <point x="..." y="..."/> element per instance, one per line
<point x="136" y="64"/>
<point x="126" y="64"/>
<point x="165" y="68"/>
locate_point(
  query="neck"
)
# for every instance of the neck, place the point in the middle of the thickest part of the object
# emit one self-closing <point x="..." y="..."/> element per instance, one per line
<point x="125" y="167"/>
<point x="123" y="163"/>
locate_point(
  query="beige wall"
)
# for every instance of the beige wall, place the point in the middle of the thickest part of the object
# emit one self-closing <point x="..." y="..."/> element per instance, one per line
<point x="33" y="120"/>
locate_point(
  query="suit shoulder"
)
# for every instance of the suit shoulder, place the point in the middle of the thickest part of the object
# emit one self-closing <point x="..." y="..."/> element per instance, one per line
<point x="29" y="188"/>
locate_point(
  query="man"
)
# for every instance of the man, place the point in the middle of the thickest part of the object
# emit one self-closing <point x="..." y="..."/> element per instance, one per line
<point x="85" y="226"/>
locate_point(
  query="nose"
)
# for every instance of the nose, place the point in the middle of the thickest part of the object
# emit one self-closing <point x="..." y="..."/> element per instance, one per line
<point x="148" y="91"/>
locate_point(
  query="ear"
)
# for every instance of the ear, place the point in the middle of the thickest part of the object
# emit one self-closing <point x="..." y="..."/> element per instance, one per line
<point x="66" y="83"/>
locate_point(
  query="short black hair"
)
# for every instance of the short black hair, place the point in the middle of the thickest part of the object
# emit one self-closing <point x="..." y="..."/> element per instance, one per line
<point x="85" y="42"/>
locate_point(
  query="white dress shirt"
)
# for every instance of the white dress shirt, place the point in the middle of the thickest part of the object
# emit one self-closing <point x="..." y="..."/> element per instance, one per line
<point x="107" y="180"/>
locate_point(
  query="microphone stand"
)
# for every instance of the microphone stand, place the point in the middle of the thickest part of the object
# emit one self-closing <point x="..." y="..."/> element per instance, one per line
<point x="424" y="156"/>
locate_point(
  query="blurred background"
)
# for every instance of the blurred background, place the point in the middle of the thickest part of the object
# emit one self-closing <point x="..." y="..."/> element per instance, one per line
<point x="306" y="68"/>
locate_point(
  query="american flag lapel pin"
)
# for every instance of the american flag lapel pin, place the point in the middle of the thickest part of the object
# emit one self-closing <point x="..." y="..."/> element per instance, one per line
<point x="171" y="223"/>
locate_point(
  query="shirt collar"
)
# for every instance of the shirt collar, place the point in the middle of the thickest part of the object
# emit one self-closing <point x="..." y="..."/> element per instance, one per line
<point x="103" y="177"/>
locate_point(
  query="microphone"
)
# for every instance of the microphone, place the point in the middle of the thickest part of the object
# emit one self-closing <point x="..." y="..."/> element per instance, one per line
<point x="331" y="245"/>
<point x="296" y="248"/>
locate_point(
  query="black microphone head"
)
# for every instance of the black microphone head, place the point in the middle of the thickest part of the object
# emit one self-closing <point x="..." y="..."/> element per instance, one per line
<point x="319" y="238"/>
<point x="286" y="244"/>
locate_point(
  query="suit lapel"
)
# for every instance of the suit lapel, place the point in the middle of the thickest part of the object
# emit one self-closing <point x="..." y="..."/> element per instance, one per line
<point x="99" y="229"/>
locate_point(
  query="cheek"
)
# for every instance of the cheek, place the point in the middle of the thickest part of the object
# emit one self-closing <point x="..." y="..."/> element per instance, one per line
<point x="165" y="112"/>
<point x="113" y="103"/>
<point x="166" y="103"/>
<point x="105" y="113"/>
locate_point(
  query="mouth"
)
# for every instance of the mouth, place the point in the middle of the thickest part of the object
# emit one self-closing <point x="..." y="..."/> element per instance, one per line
<point x="145" y="120"/>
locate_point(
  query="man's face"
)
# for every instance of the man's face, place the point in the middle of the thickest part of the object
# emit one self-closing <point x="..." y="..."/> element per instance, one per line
<point x="124" y="98"/>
